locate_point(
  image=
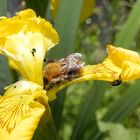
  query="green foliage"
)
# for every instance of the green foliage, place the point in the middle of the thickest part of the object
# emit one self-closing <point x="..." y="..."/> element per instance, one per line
<point x="130" y="28"/>
<point x="125" y="105"/>
<point x="5" y="74"/>
<point x="3" y="7"/>
<point x="39" y="6"/>
<point x="116" y="131"/>
<point x="46" y="129"/>
<point x="66" y="24"/>
<point x="88" y="109"/>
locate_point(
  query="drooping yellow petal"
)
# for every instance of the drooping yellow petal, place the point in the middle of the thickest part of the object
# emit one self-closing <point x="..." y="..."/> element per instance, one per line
<point x="130" y="71"/>
<point x="87" y="9"/>
<point x="20" y="110"/>
<point x="25" y="39"/>
<point x="105" y="71"/>
<point x="119" y="55"/>
<point x="126" y="60"/>
<point x="121" y="64"/>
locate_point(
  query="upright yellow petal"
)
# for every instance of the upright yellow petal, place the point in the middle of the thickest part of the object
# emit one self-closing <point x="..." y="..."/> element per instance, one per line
<point x="27" y="21"/>
<point x="26" y="54"/>
<point x="20" y="110"/>
<point x="25" y="39"/>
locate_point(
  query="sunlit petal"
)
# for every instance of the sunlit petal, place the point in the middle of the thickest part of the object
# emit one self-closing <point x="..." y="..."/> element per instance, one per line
<point x="25" y="39"/>
<point x="130" y="71"/>
<point x="19" y="49"/>
<point x="128" y="61"/>
<point x="20" y="110"/>
<point x="119" y="55"/>
<point x="26" y="21"/>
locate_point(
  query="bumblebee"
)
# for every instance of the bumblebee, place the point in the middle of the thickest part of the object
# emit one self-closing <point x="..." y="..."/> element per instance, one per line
<point x="62" y="70"/>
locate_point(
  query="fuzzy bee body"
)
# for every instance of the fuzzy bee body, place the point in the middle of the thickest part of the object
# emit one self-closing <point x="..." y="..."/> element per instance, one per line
<point x="63" y="70"/>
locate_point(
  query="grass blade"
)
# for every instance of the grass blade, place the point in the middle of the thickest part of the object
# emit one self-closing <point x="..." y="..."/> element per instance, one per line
<point x="130" y="28"/>
<point x="3" y="7"/>
<point x="46" y="129"/>
<point x="57" y="109"/>
<point x="125" y="105"/>
<point x="89" y="108"/>
<point x="66" y="24"/>
<point x="121" y="108"/>
<point x="5" y="73"/>
<point x="38" y="6"/>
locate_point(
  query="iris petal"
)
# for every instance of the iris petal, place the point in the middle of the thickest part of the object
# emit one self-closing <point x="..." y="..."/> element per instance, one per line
<point x="20" y="110"/>
<point x="25" y="39"/>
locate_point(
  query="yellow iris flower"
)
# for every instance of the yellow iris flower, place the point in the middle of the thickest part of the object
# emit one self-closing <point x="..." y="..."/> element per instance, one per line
<point x="24" y="40"/>
<point x="126" y="60"/>
<point x="87" y="8"/>
<point x="121" y="64"/>
<point x="21" y="109"/>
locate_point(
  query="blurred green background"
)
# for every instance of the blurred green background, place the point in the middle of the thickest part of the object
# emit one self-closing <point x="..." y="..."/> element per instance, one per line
<point x="92" y="110"/>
